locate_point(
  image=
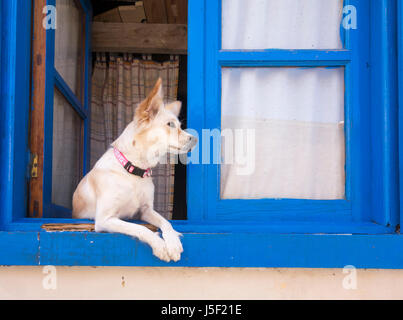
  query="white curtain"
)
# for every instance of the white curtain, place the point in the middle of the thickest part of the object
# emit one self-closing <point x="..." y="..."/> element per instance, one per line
<point x="282" y="24"/>
<point x="296" y="116"/>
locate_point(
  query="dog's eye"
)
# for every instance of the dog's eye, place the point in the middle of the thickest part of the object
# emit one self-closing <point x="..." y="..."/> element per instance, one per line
<point x="171" y="124"/>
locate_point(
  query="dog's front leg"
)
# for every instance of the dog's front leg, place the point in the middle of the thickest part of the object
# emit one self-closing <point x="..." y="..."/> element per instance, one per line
<point x="113" y="224"/>
<point x="171" y="237"/>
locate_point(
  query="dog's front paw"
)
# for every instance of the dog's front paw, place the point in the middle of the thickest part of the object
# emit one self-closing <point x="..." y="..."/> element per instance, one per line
<point x="160" y="250"/>
<point x="173" y="244"/>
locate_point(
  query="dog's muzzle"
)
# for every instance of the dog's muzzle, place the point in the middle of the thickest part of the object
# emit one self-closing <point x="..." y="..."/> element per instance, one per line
<point x="192" y="142"/>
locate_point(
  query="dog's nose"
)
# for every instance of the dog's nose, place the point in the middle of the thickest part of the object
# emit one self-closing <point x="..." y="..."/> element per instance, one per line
<point x="192" y="141"/>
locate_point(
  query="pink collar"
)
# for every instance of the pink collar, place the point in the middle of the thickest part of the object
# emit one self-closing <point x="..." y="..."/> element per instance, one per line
<point x="132" y="169"/>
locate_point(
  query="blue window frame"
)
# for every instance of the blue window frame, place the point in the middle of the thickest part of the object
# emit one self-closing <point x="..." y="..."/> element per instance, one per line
<point x="400" y="103"/>
<point x="215" y="235"/>
<point x="370" y="126"/>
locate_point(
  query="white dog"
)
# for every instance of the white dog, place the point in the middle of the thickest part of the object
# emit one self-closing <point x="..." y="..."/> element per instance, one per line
<point x="120" y="184"/>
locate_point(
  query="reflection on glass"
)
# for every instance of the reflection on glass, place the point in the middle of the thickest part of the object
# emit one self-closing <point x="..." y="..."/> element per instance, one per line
<point x="67" y="151"/>
<point x="283" y="133"/>
<point x="69" y="46"/>
<point x="281" y="24"/>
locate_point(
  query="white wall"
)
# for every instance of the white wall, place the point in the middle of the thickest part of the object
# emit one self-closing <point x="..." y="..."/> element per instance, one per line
<point x="198" y="283"/>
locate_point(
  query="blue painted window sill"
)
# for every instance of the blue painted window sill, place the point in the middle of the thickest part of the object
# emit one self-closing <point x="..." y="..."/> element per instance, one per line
<point x="226" y="249"/>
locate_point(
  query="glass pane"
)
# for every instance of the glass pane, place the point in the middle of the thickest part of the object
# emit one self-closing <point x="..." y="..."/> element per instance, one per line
<point x="281" y="24"/>
<point x="283" y="133"/>
<point x="69" y="47"/>
<point x="67" y="151"/>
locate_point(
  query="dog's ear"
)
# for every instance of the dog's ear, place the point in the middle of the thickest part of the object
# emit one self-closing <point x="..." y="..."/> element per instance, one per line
<point x="148" y="108"/>
<point x="174" y="107"/>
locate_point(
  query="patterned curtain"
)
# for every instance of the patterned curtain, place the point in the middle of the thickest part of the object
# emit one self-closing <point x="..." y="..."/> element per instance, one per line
<point x="119" y="83"/>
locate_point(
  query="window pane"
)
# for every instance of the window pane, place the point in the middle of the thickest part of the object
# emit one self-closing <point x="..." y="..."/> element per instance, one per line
<point x="281" y="24"/>
<point x="67" y="151"/>
<point x="69" y="50"/>
<point x="296" y="145"/>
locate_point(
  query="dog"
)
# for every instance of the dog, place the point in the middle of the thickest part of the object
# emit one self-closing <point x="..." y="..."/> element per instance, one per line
<point x="120" y="187"/>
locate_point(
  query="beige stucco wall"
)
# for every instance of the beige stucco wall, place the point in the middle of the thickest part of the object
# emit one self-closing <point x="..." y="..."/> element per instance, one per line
<point x="197" y="283"/>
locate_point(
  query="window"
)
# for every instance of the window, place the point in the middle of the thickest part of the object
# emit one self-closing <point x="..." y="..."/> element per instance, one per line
<point x="59" y="117"/>
<point x="299" y="80"/>
<point x="353" y="74"/>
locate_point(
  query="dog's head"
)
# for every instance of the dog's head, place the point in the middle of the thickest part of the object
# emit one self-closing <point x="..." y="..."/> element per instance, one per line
<point x="158" y="126"/>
